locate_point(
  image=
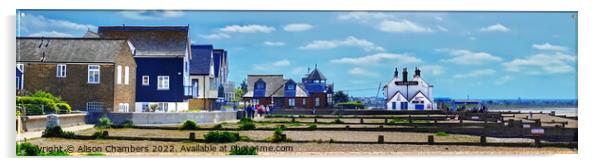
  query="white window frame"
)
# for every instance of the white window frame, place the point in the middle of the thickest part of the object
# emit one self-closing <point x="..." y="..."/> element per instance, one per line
<point x="97" y="105"/>
<point x="145" y="82"/>
<point x="118" y="74"/>
<point x="291" y="102"/>
<point x="124" y="107"/>
<point x="304" y="101"/>
<point x="317" y="102"/>
<point x="162" y="107"/>
<point x="126" y="75"/>
<point x="162" y="82"/>
<point x="61" y="70"/>
<point x="90" y="71"/>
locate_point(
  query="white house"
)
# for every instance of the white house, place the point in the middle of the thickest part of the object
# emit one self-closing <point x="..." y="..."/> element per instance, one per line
<point x="404" y="94"/>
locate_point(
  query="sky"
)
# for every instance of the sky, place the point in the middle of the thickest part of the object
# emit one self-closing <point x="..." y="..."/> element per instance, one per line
<point x="486" y="55"/>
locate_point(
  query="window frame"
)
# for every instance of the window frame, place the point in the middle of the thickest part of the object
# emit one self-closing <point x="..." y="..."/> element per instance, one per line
<point x="160" y="83"/>
<point x="99" y="105"/>
<point x="126" y="75"/>
<point x="147" y="83"/>
<point x="93" y="70"/>
<point x="61" y="70"/>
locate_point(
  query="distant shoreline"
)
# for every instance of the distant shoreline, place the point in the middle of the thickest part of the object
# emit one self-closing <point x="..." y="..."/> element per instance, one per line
<point x="569" y="111"/>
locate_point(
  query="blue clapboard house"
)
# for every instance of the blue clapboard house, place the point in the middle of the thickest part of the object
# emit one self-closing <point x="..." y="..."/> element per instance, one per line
<point x="162" y="54"/>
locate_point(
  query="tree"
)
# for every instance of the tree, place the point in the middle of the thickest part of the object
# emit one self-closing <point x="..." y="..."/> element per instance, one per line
<point x="340" y="97"/>
<point x="238" y="92"/>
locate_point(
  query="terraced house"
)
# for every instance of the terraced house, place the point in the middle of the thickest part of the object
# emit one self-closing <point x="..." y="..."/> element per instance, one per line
<point x="91" y="74"/>
<point x="163" y="54"/>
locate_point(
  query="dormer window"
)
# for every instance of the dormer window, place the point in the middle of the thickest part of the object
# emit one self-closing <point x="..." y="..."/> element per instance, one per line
<point x="290" y="87"/>
<point x="260" y="85"/>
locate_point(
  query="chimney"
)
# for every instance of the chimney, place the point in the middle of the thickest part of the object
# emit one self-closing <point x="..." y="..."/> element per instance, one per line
<point x="405" y="74"/>
<point x="396" y="73"/>
<point x="417" y="72"/>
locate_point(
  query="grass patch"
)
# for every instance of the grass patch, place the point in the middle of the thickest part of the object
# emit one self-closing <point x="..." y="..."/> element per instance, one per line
<point x="57" y="131"/>
<point x="441" y="133"/>
<point x="127" y="124"/>
<point x="247" y="126"/>
<point x="277" y="136"/>
<point x="313" y="127"/>
<point x="104" y="123"/>
<point x="188" y="125"/>
<point x="221" y="137"/>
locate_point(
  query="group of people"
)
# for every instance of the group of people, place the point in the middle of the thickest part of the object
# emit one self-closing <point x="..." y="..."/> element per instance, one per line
<point x="259" y="110"/>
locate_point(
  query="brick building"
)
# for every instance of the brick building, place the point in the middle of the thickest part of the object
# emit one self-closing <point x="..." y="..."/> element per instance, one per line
<point x="91" y="74"/>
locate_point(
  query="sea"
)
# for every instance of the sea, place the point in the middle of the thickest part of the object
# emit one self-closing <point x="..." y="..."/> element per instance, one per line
<point x="568" y="111"/>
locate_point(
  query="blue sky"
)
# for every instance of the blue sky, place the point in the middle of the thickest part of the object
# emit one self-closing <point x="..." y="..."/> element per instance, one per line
<point x="503" y="55"/>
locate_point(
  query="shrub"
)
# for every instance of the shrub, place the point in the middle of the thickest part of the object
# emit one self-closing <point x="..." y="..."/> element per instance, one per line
<point x="441" y="133"/>
<point x="47" y="95"/>
<point x="188" y="125"/>
<point x="37" y="105"/>
<point x="337" y="121"/>
<point x="104" y="123"/>
<point x="63" y="107"/>
<point x="127" y="124"/>
<point x="313" y="127"/>
<point x="247" y="126"/>
<point x="55" y="131"/>
<point x="277" y="136"/>
<point x="245" y="120"/>
<point x="217" y="127"/>
<point x="99" y="135"/>
<point x="221" y="137"/>
<point x="244" y="150"/>
<point x="28" y="149"/>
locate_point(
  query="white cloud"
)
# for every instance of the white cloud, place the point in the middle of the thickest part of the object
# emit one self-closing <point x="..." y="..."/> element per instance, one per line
<point x="50" y="34"/>
<point x="152" y="14"/>
<point x="272" y="65"/>
<point x="349" y="41"/>
<point x="441" y="28"/>
<point x="364" y="16"/>
<point x="402" y="26"/>
<point x="273" y="43"/>
<point x="496" y="27"/>
<point x="548" y="46"/>
<point x="503" y="80"/>
<point x="362" y="72"/>
<point x="433" y="69"/>
<point x="40" y="25"/>
<point x="476" y="73"/>
<point x="252" y="28"/>
<point x="542" y="64"/>
<point x="297" y="27"/>
<point x="281" y="63"/>
<point x="377" y="59"/>
<point x="467" y="57"/>
<point x="215" y="36"/>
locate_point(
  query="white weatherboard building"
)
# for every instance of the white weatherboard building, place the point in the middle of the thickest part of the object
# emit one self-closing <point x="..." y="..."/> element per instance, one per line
<point x="404" y="94"/>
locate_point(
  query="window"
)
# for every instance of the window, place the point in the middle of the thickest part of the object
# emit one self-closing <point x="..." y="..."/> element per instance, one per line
<point x="93" y="74"/>
<point x="124" y="107"/>
<point x="317" y="103"/>
<point x="163" y="82"/>
<point x="145" y="80"/>
<point x="127" y="75"/>
<point x="119" y="74"/>
<point x="94" y="106"/>
<point x="20" y="66"/>
<point x="329" y="96"/>
<point x="61" y="70"/>
<point x="145" y="107"/>
<point x="162" y="107"/>
<point x="304" y="101"/>
<point x="291" y="102"/>
<point x="290" y="87"/>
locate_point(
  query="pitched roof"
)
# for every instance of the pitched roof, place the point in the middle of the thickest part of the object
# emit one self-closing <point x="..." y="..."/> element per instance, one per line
<point x="200" y="64"/>
<point x="151" y="40"/>
<point x="315" y="75"/>
<point x="89" y="50"/>
<point x="218" y="55"/>
<point x="273" y="83"/>
<point x="90" y="34"/>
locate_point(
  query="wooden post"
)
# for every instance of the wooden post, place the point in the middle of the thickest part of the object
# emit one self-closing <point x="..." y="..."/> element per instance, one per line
<point x="347" y="127"/>
<point x="381" y="126"/>
<point x="537" y="141"/>
<point x="361" y="120"/>
<point x="386" y="120"/>
<point x="191" y="136"/>
<point x="283" y="136"/>
<point x="381" y="139"/>
<point x="293" y="119"/>
<point x="483" y="140"/>
<point x="436" y="121"/>
<point x="105" y="134"/>
<point x="315" y="120"/>
<point x="410" y="119"/>
<point x="510" y="122"/>
<point x="431" y="140"/>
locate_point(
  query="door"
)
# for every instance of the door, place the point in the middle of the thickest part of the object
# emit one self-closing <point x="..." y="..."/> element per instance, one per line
<point x="195" y="87"/>
<point x="394" y="105"/>
<point x="419" y="106"/>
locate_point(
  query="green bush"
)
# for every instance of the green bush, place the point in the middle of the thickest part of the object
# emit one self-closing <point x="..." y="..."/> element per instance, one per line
<point x="441" y="133"/>
<point x="221" y="137"/>
<point x="99" y="135"/>
<point x="64" y="107"/>
<point x="28" y="149"/>
<point x="55" y="131"/>
<point x="244" y="150"/>
<point x="247" y="126"/>
<point x="245" y="120"/>
<point x="47" y="95"/>
<point x="337" y="121"/>
<point x="277" y="136"/>
<point x="188" y="125"/>
<point x="104" y="123"/>
<point x="313" y="127"/>
<point x="127" y="124"/>
<point x="40" y="102"/>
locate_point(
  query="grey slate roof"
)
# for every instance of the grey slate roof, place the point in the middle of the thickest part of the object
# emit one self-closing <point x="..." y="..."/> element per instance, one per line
<point x="88" y="50"/>
<point x="315" y="75"/>
<point x="274" y="86"/>
<point x="151" y="40"/>
<point x="200" y="63"/>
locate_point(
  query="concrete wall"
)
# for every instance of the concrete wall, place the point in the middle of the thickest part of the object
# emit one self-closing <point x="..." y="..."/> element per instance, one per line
<point x="38" y="122"/>
<point x="166" y="118"/>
